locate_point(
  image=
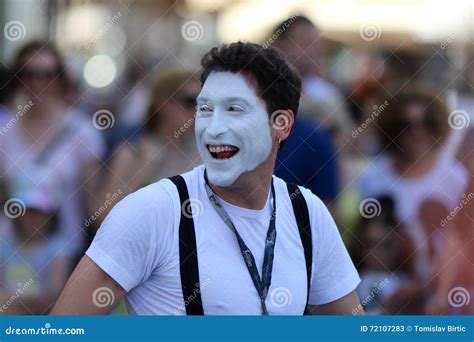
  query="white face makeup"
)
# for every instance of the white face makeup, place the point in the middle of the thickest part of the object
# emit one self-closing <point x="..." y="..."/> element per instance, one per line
<point x="232" y="127"/>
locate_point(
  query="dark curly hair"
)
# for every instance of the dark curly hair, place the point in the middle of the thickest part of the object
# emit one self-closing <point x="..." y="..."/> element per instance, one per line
<point x="34" y="47"/>
<point x="278" y="83"/>
<point x="392" y="123"/>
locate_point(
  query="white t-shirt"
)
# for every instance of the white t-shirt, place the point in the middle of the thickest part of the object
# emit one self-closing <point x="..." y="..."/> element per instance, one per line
<point x="137" y="245"/>
<point x="444" y="183"/>
<point x="65" y="161"/>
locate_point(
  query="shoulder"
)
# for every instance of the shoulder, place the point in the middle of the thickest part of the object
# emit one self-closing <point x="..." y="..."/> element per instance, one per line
<point x="316" y="208"/>
<point x="320" y="218"/>
<point x="450" y="165"/>
<point x="451" y="174"/>
<point x="156" y="197"/>
<point x="153" y="196"/>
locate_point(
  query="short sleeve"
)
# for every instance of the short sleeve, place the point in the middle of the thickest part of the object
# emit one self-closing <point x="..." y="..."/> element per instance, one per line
<point x="135" y="236"/>
<point x="334" y="274"/>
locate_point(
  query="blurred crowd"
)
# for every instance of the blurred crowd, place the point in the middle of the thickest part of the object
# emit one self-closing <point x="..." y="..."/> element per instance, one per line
<point x="386" y="155"/>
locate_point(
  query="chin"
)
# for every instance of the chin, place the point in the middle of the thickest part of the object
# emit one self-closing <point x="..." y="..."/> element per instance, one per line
<point x="217" y="178"/>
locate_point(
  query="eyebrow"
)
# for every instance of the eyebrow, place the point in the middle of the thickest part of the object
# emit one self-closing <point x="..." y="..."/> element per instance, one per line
<point x="230" y="99"/>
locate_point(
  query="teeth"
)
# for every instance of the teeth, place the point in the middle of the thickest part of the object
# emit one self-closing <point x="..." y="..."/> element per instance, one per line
<point x="221" y="148"/>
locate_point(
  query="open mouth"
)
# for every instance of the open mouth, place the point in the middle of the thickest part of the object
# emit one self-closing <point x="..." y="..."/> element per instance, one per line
<point x="222" y="151"/>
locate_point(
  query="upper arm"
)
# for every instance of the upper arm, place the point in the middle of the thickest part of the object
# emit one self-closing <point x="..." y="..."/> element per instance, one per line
<point x="59" y="271"/>
<point x="89" y="291"/>
<point x="132" y="242"/>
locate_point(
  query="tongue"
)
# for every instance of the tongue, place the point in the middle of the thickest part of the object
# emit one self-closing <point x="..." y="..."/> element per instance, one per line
<point x="225" y="155"/>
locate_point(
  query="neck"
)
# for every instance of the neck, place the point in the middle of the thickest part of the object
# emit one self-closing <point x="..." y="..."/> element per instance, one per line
<point x="250" y="190"/>
<point x="414" y="167"/>
<point x="249" y="195"/>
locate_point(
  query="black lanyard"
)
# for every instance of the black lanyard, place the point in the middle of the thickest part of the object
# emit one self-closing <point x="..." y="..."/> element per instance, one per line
<point x="261" y="285"/>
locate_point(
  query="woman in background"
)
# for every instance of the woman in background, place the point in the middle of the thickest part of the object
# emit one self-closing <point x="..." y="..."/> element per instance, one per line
<point x="167" y="145"/>
<point x="425" y="181"/>
<point x="454" y="292"/>
<point x="49" y="134"/>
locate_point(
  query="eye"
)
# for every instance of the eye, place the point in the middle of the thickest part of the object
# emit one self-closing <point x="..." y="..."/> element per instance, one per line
<point x="204" y="109"/>
<point x="235" y="108"/>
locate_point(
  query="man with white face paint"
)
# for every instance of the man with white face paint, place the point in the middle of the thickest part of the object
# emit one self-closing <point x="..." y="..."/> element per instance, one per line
<point x="229" y="237"/>
<point x="232" y="128"/>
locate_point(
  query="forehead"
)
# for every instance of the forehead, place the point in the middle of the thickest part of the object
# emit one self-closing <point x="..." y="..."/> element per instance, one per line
<point x="223" y="84"/>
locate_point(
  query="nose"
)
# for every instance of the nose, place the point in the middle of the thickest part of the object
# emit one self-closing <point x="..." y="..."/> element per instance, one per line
<point x="217" y="125"/>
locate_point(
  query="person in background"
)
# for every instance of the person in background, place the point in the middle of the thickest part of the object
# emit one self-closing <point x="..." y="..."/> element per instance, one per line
<point x="34" y="263"/>
<point x="301" y="42"/>
<point x="50" y="135"/>
<point x="310" y="156"/>
<point x="167" y="144"/>
<point x="424" y="180"/>
<point x="454" y="288"/>
<point x="382" y="254"/>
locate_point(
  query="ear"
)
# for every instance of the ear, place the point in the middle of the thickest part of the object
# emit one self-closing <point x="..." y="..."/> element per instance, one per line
<point x="282" y="122"/>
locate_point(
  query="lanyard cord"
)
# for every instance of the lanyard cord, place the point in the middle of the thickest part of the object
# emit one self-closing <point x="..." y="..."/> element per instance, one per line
<point x="261" y="284"/>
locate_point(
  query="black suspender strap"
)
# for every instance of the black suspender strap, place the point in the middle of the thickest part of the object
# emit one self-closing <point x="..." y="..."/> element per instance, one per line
<point x="188" y="252"/>
<point x="300" y="209"/>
